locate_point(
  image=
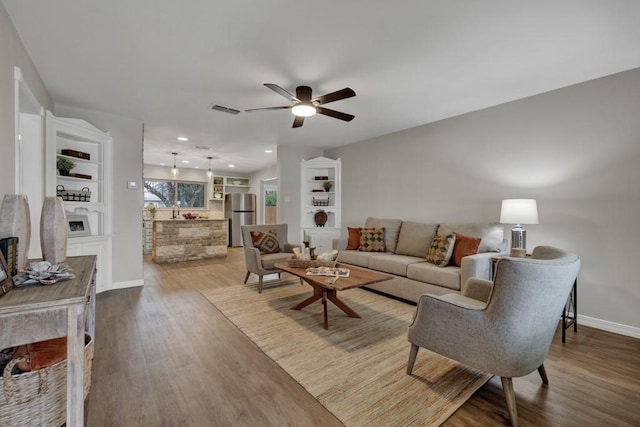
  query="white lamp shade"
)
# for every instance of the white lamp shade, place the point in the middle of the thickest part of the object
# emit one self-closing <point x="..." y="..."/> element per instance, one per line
<point x="519" y="211"/>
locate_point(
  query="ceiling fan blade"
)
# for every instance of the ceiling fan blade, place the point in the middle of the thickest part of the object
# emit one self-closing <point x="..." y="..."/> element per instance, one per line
<point x="335" y="96"/>
<point x="298" y="121"/>
<point x="277" y="89"/>
<point x="268" y="108"/>
<point x="335" y="114"/>
<point x="303" y="93"/>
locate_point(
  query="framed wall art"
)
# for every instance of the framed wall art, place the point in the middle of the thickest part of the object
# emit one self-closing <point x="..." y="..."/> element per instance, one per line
<point x="78" y="225"/>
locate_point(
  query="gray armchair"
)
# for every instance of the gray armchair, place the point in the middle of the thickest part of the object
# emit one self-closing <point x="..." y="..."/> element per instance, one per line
<point x="262" y="264"/>
<point x="503" y="328"/>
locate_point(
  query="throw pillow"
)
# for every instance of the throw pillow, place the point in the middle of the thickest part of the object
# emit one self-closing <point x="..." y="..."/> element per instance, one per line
<point x="372" y="240"/>
<point x="354" y="239"/>
<point x="266" y="241"/>
<point x="441" y="250"/>
<point x="464" y="245"/>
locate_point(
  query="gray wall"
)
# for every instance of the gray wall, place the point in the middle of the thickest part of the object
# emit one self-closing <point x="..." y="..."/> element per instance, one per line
<point x="576" y="150"/>
<point x="12" y="53"/>
<point x="289" y="174"/>
<point x="127" y="204"/>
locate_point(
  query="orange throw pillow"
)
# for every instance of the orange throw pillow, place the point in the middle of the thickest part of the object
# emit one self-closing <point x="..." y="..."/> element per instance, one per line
<point x="465" y="245"/>
<point x="354" y="239"/>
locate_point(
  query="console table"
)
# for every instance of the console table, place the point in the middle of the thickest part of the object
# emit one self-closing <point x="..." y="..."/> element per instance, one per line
<point x="37" y="313"/>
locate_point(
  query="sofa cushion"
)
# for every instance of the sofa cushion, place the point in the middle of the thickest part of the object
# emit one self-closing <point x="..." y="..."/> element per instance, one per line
<point x="372" y="240"/>
<point x="265" y="241"/>
<point x="441" y="249"/>
<point x="464" y="246"/>
<point x="491" y="233"/>
<point x="391" y="227"/>
<point x="448" y="277"/>
<point x="354" y="238"/>
<point x="415" y="238"/>
<point x="360" y="259"/>
<point x="392" y="263"/>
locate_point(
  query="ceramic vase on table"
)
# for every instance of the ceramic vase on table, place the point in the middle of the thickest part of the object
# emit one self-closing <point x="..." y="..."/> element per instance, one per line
<point x="15" y="221"/>
<point x="53" y="230"/>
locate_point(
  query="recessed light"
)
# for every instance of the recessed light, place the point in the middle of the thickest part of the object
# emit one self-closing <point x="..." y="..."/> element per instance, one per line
<point x="183" y="138"/>
<point x="268" y="151"/>
<point x="161" y="164"/>
<point x="232" y="166"/>
<point x="185" y="161"/>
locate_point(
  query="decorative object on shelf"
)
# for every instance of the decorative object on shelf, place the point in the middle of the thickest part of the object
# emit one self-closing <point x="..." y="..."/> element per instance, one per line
<point x="15" y="221"/>
<point x="236" y="182"/>
<point x="152" y="209"/>
<point x="64" y="165"/>
<point x="209" y="172"/>
<point x="320" y="178"/>
<point x="320" y="202"/>
<point x="327" y="186"/>
<point x="83" y="195"/>
<point x="80" y="175"/>
<point x="174" y="169"/>
<point x="519" y="211"/>
<point x="53" y="230"/>
<point x="217" y="196"/>
<point x="78" y="225"/>
<point x="75" y="153"/>
<point x="320" y="218"/>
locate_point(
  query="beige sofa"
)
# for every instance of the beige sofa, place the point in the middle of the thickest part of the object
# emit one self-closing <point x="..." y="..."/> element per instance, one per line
<point x="407" y="243"/>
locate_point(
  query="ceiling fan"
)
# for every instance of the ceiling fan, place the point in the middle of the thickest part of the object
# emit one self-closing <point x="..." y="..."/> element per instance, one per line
<point x="304" y="105"/>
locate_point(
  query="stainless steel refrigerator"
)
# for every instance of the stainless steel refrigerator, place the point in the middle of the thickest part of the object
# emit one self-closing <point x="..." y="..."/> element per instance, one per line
<point x="239" y="209"/>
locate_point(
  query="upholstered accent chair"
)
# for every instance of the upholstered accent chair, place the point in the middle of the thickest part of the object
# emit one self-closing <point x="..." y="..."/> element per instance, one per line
<point x="504" y="327"/>
<point x="260" y="263"/>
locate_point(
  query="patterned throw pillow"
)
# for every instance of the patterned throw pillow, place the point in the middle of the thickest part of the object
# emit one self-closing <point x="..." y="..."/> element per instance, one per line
<point x="354" y="239"/>
<point x="372" y="240"/>
<point x="465" y="245"/>
<point x="266" y="241"/>
<point x="441" y="250"/>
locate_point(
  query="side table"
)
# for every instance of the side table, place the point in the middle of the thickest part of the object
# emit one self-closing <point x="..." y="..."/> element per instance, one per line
<point x="570" y="310"/>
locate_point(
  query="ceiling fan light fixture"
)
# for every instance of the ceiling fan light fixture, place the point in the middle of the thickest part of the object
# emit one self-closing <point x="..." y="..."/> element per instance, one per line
<point x="303" y="110"/>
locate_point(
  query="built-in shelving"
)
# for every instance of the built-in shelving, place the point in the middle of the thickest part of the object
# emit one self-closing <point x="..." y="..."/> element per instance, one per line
<point x="315" y="199"/>
<point x="81" y="136"/>
<point x="228" y="184"/>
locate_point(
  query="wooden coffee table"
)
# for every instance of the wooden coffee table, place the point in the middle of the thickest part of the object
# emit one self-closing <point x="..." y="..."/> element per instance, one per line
<point x="323" y="290"/>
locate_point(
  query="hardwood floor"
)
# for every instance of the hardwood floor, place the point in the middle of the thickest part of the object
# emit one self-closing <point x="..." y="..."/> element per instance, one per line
<point x="166" y="357"/>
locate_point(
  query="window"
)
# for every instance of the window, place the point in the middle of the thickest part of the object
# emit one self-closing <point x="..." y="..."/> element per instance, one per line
<point x="167" y="194"/>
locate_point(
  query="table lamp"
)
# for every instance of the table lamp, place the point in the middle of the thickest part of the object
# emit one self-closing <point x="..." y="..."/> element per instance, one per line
<point x="518" y="212"/>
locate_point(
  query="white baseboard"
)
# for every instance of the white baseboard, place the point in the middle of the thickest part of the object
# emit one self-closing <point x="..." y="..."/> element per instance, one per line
<point x="605" y="325"/>
<point x="122" y="285"/>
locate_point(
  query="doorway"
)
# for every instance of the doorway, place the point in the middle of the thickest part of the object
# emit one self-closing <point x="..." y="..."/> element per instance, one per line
<point x="269" y="200"/>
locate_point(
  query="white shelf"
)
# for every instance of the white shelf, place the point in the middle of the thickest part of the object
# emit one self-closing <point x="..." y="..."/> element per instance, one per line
<point x="310" y="169"/>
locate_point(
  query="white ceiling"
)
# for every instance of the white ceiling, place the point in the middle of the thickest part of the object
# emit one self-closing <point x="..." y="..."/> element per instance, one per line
<point x="163" y="62"/>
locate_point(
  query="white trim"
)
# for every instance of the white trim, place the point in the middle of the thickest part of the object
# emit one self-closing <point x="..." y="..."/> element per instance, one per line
<point x="605" y="325"/>
<point x="123" y="285"/>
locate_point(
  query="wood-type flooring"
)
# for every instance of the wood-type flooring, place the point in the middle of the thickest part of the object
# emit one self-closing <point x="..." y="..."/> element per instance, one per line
<point x="164" y="356"/>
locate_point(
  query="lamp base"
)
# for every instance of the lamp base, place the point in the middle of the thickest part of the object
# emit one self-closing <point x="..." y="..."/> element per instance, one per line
<point x="518" y="237"/>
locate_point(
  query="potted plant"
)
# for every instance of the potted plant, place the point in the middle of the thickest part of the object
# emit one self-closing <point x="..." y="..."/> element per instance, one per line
<point x="64" y="165"/>
<point x="327" y="186"/>
<point x="152" y="209"/>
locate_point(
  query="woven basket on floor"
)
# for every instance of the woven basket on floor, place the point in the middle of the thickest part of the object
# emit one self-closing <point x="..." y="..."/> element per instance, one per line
<point x="39" y="397"/>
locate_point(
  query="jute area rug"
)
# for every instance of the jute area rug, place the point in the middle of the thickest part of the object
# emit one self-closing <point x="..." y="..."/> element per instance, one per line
<point x="357" y="368"/>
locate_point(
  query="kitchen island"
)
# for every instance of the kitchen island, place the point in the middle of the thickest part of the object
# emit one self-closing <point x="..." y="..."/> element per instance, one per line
<point x="176" y="240"/>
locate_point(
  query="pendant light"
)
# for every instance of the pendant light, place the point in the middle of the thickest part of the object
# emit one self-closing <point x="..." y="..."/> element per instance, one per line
<point x="174" y="169"/>
<point x="209" y="173"/>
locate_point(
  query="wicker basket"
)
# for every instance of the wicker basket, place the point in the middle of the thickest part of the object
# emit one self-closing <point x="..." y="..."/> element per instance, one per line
<point x="83" y="195"/>
<point x="320" y="202"/>
<point x="307" y="263"/>
<point x="39" y="397"/>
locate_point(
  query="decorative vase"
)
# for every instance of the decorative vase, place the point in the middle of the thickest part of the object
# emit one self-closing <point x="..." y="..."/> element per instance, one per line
<point x="53" y="230"/>
<point x="15" y="221"/>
